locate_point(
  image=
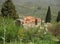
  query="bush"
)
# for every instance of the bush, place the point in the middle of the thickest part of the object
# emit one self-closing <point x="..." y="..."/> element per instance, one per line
<point x="11" y="29"/>
<point x="27" y="34"/>
<point x="11" y="32"/>
<point x="33" y="34"/>
<point x="1" y="29"/>
<point x="55" y="30"/>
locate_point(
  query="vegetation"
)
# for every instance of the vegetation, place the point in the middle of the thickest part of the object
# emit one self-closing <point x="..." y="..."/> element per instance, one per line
<point x="8" y="9"/>
<point x="10" y="28"/>
<point x="12" y="33"/>
<point x="58" y="17"/>
<point x="48" y="16"/>
<point x="17" y="34"/>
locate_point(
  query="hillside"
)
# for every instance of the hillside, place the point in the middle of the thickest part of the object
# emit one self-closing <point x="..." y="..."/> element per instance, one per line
<point x="37" y="8"/>
<point x="30" y="8"/>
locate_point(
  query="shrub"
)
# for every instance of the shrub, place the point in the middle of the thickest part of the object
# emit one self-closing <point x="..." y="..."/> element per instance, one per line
<point x="11" y="32"/>
<point x="27" y="34"/>
<point x="55" y="30"/>
<point x="11" y="29"/>
<point x="33" y="34"/>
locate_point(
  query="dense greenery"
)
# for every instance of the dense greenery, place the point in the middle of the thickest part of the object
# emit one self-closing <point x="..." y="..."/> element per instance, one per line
<point x="10" y="28"/>
<point x="8" y="9"/>
<point x="20" y="34"/>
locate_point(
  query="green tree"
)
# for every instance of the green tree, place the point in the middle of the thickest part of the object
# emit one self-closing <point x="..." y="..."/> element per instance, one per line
<point x="58" y="17"/>
<point x="8" y="9"/>
<point x="48" y="16"/>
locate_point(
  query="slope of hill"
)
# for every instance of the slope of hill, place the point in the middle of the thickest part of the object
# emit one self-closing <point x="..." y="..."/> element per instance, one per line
<point x="37" y="8"/>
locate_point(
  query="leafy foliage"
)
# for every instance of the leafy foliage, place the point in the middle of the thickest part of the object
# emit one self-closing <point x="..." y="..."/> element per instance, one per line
<point x="34" y="35"/>
<point x="10" y="27"/>
<point x="8" y="9"/>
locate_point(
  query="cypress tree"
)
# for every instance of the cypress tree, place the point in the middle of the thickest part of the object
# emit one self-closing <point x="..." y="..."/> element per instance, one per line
<point x="48" y="16"/>
<point x="8" y="9"/>
<point x="58" y="17"/>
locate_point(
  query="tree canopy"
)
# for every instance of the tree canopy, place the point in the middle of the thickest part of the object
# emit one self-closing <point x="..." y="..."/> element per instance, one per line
<point x="8" y="9"/>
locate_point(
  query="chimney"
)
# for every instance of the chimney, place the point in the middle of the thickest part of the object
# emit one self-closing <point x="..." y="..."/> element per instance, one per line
<point x="35" y="21"/>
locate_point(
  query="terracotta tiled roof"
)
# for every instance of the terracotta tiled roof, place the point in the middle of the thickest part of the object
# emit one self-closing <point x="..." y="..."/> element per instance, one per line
<point x="30" y="19"/>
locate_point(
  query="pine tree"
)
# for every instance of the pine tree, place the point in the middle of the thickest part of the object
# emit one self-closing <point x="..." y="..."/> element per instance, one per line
<point x="48" y="16"/>
<point x="8" y="9"/>
<point x="58" y="17"/>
